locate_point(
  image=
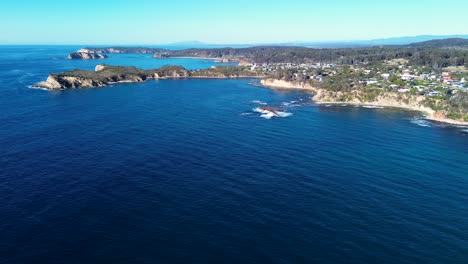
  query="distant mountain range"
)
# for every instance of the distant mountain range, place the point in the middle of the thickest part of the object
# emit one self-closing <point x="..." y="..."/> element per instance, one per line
<point x="407" y="40"/>
<point x="334" y="44"/>
<point x="438" y="43"/>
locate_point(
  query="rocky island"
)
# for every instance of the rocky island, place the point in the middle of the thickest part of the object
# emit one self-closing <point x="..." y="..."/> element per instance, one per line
<point x="100" y="53"/>
<point x="86" y="54"/>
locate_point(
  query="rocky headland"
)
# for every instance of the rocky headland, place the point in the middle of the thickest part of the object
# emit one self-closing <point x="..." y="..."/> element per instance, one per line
<point x="104" y="75"/>
<point x="80" y="55"/>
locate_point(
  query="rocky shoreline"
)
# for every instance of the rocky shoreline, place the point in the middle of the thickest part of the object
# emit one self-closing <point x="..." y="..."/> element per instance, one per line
<point x="387" y="99"/>
<point x="105" y="75"/>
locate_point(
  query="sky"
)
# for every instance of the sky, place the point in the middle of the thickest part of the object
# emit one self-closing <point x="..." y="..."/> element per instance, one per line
<point x="224" y="22"/>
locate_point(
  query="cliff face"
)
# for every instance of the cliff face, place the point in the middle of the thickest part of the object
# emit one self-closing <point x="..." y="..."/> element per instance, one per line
<point x="50" y="83"/>
<point x="281" y="84"/>
<point x="86" y="56"/>
<point x="389" y="99"/>
<point x="54" y="82"/>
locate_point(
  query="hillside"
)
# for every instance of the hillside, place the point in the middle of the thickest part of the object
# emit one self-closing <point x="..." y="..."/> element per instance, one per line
<point x="440" y="43"/>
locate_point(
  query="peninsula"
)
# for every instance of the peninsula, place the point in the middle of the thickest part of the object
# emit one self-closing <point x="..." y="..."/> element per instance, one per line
<point x="106" y="75"/>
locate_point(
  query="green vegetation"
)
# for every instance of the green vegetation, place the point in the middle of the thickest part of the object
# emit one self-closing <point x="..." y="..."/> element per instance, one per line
<point x="425" y="56"/>
<point x="457" y="105"/>
<point x="226" y="71"/>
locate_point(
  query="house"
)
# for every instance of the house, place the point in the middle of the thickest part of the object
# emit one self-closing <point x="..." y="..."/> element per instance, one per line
<point x="433" y="93"/>
<point x="424" y="76"/>
<point x="420" y="88"/>
<point x="372" y="81"/>
<point x="407" y="77"/>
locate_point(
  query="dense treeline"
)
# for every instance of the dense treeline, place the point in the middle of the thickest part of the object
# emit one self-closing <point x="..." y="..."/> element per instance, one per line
<point x="434" y="57"/>
<point x="434" y="53"/>
<point x="424" y="56"/>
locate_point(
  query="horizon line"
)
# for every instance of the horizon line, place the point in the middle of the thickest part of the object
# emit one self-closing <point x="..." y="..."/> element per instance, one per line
<point x="196" y="42"/>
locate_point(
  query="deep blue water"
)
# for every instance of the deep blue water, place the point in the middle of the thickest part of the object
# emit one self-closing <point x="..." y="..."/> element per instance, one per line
<point x="183" y="171"/>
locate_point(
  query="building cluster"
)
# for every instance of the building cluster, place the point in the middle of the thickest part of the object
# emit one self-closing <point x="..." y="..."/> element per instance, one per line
<point x="401" y="78"/>
<point x="408" y="79"/>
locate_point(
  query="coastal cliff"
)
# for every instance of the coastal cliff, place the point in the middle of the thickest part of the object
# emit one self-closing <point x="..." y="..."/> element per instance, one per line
<point x="282" y="84"/>
<point x="433" y="109"/>
<point x="85" y="55"/>
<point x="106" y="75"/>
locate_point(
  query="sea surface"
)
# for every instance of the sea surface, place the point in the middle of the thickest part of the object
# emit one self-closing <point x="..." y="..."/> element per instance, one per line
<point x="189" y="171"/>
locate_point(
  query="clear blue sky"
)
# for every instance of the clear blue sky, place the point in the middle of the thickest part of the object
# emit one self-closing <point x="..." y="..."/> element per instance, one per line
<point x="220" y="21"/>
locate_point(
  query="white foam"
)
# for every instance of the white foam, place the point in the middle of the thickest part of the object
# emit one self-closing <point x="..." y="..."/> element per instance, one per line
<point x="372" y="106"/>
<point x="270" y="114"/>
<point x="284" y="114"/>
<point x="465" y="130"/>
<point x="421" y="122"/>
<point x="37" y="88"/>
<point x="292" y="103"/>
<point x="258" y="102"/>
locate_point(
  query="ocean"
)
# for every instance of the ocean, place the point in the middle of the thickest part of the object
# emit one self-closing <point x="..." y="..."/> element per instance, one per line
<point x="189" y="171"/>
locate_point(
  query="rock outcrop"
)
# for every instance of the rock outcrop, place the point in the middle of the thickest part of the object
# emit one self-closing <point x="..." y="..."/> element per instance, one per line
<point x="99" y="67"/>
<point x="55" y="82"/>
<point x="282" y="84"/>
<point x="384" y="98"/>
<point x="50" y="83"/>
<point x="85" y="55"/>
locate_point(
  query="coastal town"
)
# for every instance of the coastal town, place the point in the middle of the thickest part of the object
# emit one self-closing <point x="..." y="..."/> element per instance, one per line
<point x="394" y="75"/>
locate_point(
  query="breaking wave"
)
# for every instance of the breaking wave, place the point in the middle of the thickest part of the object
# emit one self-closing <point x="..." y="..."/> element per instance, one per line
<point x="258" y="102"/>
<point x="421" y="122"/>
<point x="270" y="114"/>
<point x="291" y="103"/>
<point x="373" y="107"/>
